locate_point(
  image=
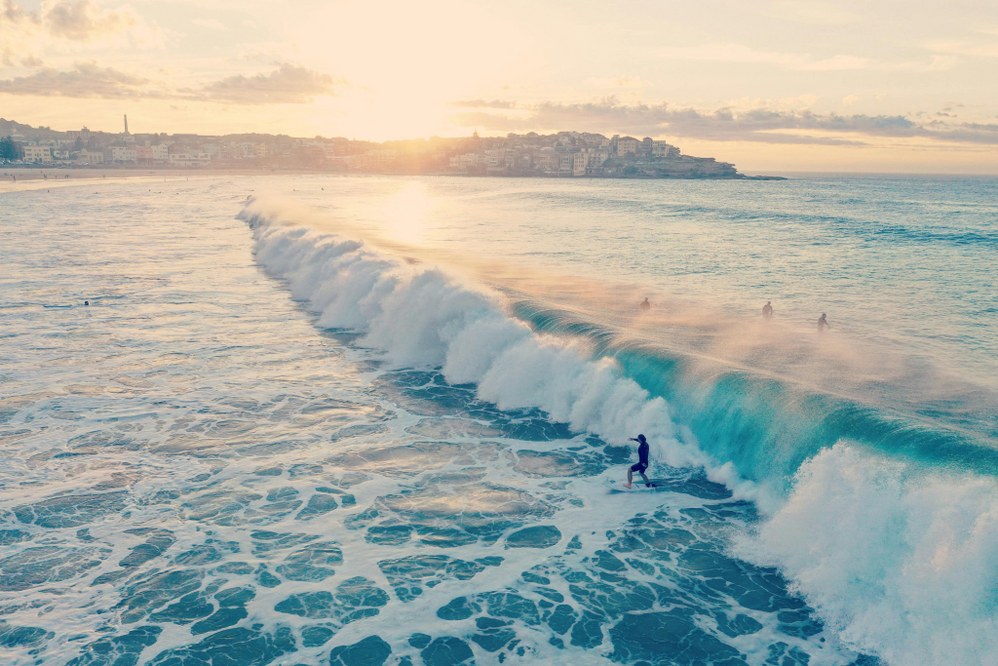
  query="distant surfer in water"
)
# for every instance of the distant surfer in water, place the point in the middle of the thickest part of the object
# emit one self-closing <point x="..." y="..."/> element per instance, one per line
<point x="767" y="310"/>
<point x="645" y="305"/>
<point x="642" y="463"/>
<point x="823" y="323"/>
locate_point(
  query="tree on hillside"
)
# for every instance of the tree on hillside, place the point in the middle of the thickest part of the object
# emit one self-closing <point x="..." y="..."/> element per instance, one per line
<point x="10" y="149"/>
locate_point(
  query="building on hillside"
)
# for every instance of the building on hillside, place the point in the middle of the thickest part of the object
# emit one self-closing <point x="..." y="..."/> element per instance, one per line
<point x="627" y="144"/>
<point x="663" y="149"/>
<point x="122" y="155"/>
<point x="37" y="154"/>
<point x="88" y="157"/>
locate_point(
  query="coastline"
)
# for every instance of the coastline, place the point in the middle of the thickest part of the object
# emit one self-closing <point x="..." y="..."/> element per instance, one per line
<point x="19" y="178"/>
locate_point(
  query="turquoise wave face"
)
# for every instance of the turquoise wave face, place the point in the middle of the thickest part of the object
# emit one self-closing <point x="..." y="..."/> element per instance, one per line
<point x="769" y="426"/>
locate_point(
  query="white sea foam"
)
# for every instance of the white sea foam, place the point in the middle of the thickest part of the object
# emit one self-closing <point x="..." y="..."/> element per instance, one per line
<point x="898" y="562"/>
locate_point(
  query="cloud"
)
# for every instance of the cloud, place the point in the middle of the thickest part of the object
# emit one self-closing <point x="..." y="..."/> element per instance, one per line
<point x="80" y="20"/>
<point x="763" y="125"/>
<point x="84" y="21"/>
<point x="69" y="25"/>
<point x="86" y="80"/>
<point x="738" y="53"/>
<point x="211" y="24"/>
<point x="804" y="62"/>
<point x="484" y="104"/>
<point x="288" y="84"/>
<point x="980" y="48"/>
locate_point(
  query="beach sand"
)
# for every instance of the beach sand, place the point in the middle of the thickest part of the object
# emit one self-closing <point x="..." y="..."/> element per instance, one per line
<point x="14" y="179"/>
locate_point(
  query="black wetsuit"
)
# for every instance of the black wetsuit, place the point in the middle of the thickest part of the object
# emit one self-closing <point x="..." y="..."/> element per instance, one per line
<point x="642" y="463"/>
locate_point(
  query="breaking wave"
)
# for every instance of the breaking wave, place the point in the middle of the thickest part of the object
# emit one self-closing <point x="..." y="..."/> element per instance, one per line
<point x="886" y="523"/>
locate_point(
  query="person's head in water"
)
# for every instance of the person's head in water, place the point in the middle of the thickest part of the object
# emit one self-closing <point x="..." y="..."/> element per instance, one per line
<point x="86" y="302"/>
<point x="645" y="304"/>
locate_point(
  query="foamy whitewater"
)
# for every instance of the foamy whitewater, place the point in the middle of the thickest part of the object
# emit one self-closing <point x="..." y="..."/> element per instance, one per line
<point x="359" y="420"/>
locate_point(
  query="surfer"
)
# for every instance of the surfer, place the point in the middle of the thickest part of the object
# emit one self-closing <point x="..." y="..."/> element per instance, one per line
<point x="642" y="463"/>
<point x="767" y="310"/>
<point x="645" y="305"/>
<point x="823" y="323"/>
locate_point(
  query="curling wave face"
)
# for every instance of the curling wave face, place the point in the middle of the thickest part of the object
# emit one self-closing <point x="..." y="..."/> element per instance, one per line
<point x="879" y="519"/>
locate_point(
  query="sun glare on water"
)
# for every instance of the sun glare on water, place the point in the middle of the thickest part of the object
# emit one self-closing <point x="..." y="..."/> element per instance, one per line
<point x="406" y="213"/>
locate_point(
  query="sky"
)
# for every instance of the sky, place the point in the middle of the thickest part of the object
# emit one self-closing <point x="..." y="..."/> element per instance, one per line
<point x="772" y="86"/>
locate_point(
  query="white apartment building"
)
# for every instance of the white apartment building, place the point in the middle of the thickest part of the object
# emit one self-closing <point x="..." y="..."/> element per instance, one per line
<point x="466" y="161"/>
<point x="37" y="154"/>
<point x="663" y="149"/>
<point x="123" y="154"/>
<point x="90" y="157"/>
<point x="627" y="144"/>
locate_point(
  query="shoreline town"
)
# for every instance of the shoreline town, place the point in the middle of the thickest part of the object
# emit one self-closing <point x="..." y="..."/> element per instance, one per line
<point x="560" y="155"/>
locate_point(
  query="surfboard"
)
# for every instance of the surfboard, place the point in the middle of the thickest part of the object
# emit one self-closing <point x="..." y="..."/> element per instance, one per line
<point x="655" y="485"/>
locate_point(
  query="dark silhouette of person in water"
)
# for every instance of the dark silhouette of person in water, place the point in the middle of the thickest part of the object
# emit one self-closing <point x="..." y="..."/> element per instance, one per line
<point x="642" y="463"/>
<point x="86" y="302"/>
<point x="767" y="310"/>
<point x="645" y="305"/>
<point x="823" y="323"/>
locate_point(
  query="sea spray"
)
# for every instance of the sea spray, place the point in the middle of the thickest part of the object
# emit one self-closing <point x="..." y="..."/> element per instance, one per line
<point x="898" y="560"/>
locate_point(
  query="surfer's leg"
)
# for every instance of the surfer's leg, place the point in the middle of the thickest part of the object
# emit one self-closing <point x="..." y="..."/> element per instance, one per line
<point x="630" y="475"/>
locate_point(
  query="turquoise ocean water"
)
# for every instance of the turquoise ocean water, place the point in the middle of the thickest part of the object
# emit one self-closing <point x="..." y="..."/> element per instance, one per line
<point x="365" y="420"/>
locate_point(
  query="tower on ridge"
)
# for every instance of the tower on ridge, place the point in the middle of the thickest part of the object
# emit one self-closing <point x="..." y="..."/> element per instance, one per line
<point x="126" y="123"/>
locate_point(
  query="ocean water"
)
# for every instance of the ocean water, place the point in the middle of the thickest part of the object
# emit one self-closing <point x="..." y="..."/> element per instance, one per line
<point x="366" y="420"/>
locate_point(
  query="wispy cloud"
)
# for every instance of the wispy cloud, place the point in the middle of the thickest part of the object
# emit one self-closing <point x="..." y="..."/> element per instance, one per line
<point x="211" y="24"/>
<point x="738" y="53"/>
<point x="83" y="20"/>
<point x="805" y="62"/>
<point x="985" y="47"/>
<point x="288" y="84"/>
<point x="759" y="124"/>
<point x="68" y="24"/>
<point x="85" y="80"/>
